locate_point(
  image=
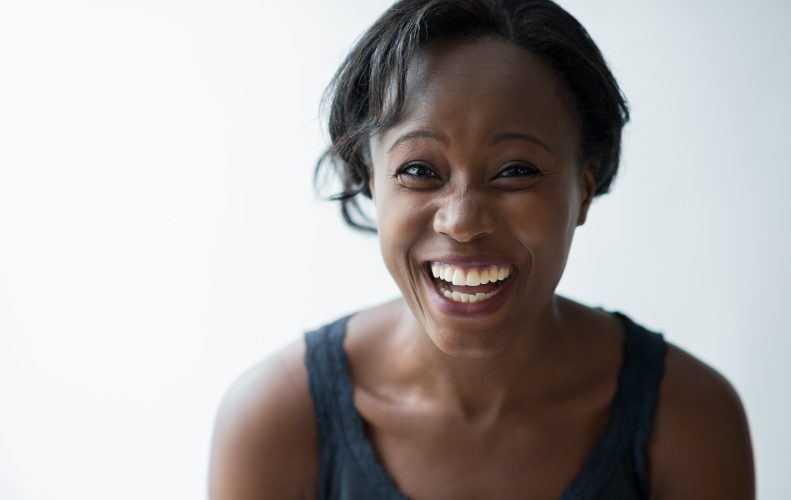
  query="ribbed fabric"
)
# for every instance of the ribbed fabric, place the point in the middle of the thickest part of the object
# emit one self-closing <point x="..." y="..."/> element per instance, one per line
<point x="616" y="469"/>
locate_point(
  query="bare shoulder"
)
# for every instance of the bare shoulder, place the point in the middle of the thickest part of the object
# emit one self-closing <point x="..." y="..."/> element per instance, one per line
<point x="700" y="444"/>
<point x="265" y="437"/>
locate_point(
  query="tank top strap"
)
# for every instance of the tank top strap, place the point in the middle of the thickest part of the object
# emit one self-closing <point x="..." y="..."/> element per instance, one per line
<point x="326" y="376"/>
<point x="348" y="465"/>
<point x="623" y="443"/>
<point x="644" y="366"/>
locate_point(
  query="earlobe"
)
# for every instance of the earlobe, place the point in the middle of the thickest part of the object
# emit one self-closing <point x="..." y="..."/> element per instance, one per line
<point x="371" y="182"/>
<point x="587" y="191"/>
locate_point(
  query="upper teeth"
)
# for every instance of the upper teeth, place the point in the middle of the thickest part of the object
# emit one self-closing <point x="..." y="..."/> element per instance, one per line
<point x="471" y="276"/>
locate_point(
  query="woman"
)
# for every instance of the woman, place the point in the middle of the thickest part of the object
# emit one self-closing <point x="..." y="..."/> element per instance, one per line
<point x="482" y="130"/>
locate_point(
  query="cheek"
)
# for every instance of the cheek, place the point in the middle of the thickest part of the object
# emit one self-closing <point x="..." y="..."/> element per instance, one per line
<point x="400" y="222"/>
<point x="542" y="227"/>
<point x="540" y="220"/>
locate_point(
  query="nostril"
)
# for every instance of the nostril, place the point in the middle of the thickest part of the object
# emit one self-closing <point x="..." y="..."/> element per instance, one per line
<point x="464" y="221"/>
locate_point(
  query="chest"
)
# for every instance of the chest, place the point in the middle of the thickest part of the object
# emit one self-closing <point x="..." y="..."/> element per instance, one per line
<point x="533" y="455"/>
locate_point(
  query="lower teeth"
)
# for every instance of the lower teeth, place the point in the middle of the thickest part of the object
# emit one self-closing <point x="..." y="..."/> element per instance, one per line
<point x="466" y="297"/>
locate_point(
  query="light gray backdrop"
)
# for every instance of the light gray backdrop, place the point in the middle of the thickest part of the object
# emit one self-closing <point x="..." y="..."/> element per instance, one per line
<point x="158" y="233"/>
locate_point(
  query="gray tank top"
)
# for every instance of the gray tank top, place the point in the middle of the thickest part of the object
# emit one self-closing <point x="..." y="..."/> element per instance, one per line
<point x="349" y="468"/>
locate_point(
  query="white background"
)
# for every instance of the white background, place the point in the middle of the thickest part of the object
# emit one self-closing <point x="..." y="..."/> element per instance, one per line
<point x="158" y="232"/>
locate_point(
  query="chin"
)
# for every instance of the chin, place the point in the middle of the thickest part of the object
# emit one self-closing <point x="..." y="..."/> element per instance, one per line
<point x="469" y="344"/>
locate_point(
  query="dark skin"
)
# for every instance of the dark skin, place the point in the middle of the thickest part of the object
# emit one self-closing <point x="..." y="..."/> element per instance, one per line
<point x="484" y="160"/>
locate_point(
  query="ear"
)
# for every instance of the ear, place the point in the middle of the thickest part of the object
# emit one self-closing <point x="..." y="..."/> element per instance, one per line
<point x="371" y="181"/>
<point x="587" y="190"/>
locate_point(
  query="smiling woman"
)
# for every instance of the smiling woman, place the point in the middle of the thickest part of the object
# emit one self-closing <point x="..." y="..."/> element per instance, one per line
<point x="481" y="130"/>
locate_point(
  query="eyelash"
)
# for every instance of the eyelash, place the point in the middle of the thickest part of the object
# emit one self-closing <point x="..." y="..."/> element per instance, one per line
<point x="403" y="170"/>
<point x="527" y="168"/>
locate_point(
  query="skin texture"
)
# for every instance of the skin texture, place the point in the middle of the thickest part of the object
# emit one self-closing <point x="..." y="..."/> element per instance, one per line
<point x="480" y="190"/>
<point x="484" y="161"/>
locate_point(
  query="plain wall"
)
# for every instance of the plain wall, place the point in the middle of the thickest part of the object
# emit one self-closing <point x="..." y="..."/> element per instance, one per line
<point x="158" y="232"/>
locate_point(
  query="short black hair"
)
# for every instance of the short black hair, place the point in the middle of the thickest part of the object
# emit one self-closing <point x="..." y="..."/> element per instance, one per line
<point x="360" y="92"/>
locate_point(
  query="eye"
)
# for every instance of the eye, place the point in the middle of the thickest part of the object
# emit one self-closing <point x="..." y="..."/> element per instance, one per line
<point x="519" y="170"/>
<point x="417" y="171"/>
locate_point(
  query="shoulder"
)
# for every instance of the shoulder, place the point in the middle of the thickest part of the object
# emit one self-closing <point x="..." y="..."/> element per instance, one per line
<point x="700" y="444"/>
<point x="265" y="438"/>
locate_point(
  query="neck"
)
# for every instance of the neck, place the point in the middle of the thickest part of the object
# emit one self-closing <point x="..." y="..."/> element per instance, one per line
<point x="486" y="388"/>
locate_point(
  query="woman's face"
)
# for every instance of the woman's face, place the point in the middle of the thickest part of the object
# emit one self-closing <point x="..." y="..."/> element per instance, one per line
<point x="478" y="188"/>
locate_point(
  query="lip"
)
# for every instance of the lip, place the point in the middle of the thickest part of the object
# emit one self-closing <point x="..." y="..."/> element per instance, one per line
<point x="453" y="308"/>
<point x="457" y="260"/>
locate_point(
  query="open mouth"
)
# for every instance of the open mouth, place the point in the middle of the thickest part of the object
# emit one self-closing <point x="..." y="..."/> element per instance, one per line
<point x="471" y="284"/>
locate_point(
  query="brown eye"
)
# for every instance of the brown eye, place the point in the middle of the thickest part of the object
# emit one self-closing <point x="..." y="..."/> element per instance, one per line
<point x="519" y="170"/>
<point x="417" y="171"/>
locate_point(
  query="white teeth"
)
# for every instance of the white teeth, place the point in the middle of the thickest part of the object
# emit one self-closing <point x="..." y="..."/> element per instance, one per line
<point x="469" y="277"/>
<point x="466" y="297"/>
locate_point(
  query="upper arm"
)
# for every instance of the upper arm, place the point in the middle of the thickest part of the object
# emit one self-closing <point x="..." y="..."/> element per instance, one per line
<point x="265" y="436"/>
<point x="700" y="446"/>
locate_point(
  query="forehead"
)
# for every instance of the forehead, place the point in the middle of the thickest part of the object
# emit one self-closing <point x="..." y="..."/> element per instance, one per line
<point x="475" y="89"/>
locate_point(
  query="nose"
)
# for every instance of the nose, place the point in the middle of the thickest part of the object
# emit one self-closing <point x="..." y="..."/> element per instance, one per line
<point x="464" y="217"/>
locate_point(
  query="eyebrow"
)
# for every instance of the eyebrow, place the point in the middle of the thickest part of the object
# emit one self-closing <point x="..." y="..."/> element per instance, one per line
<point x="501" y="137"/>
<point x="418" y="134"/>
<point x="507" y="136"/>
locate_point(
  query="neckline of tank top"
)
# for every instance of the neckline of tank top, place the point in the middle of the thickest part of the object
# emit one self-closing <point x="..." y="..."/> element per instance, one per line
<point x="596" y="469"/>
